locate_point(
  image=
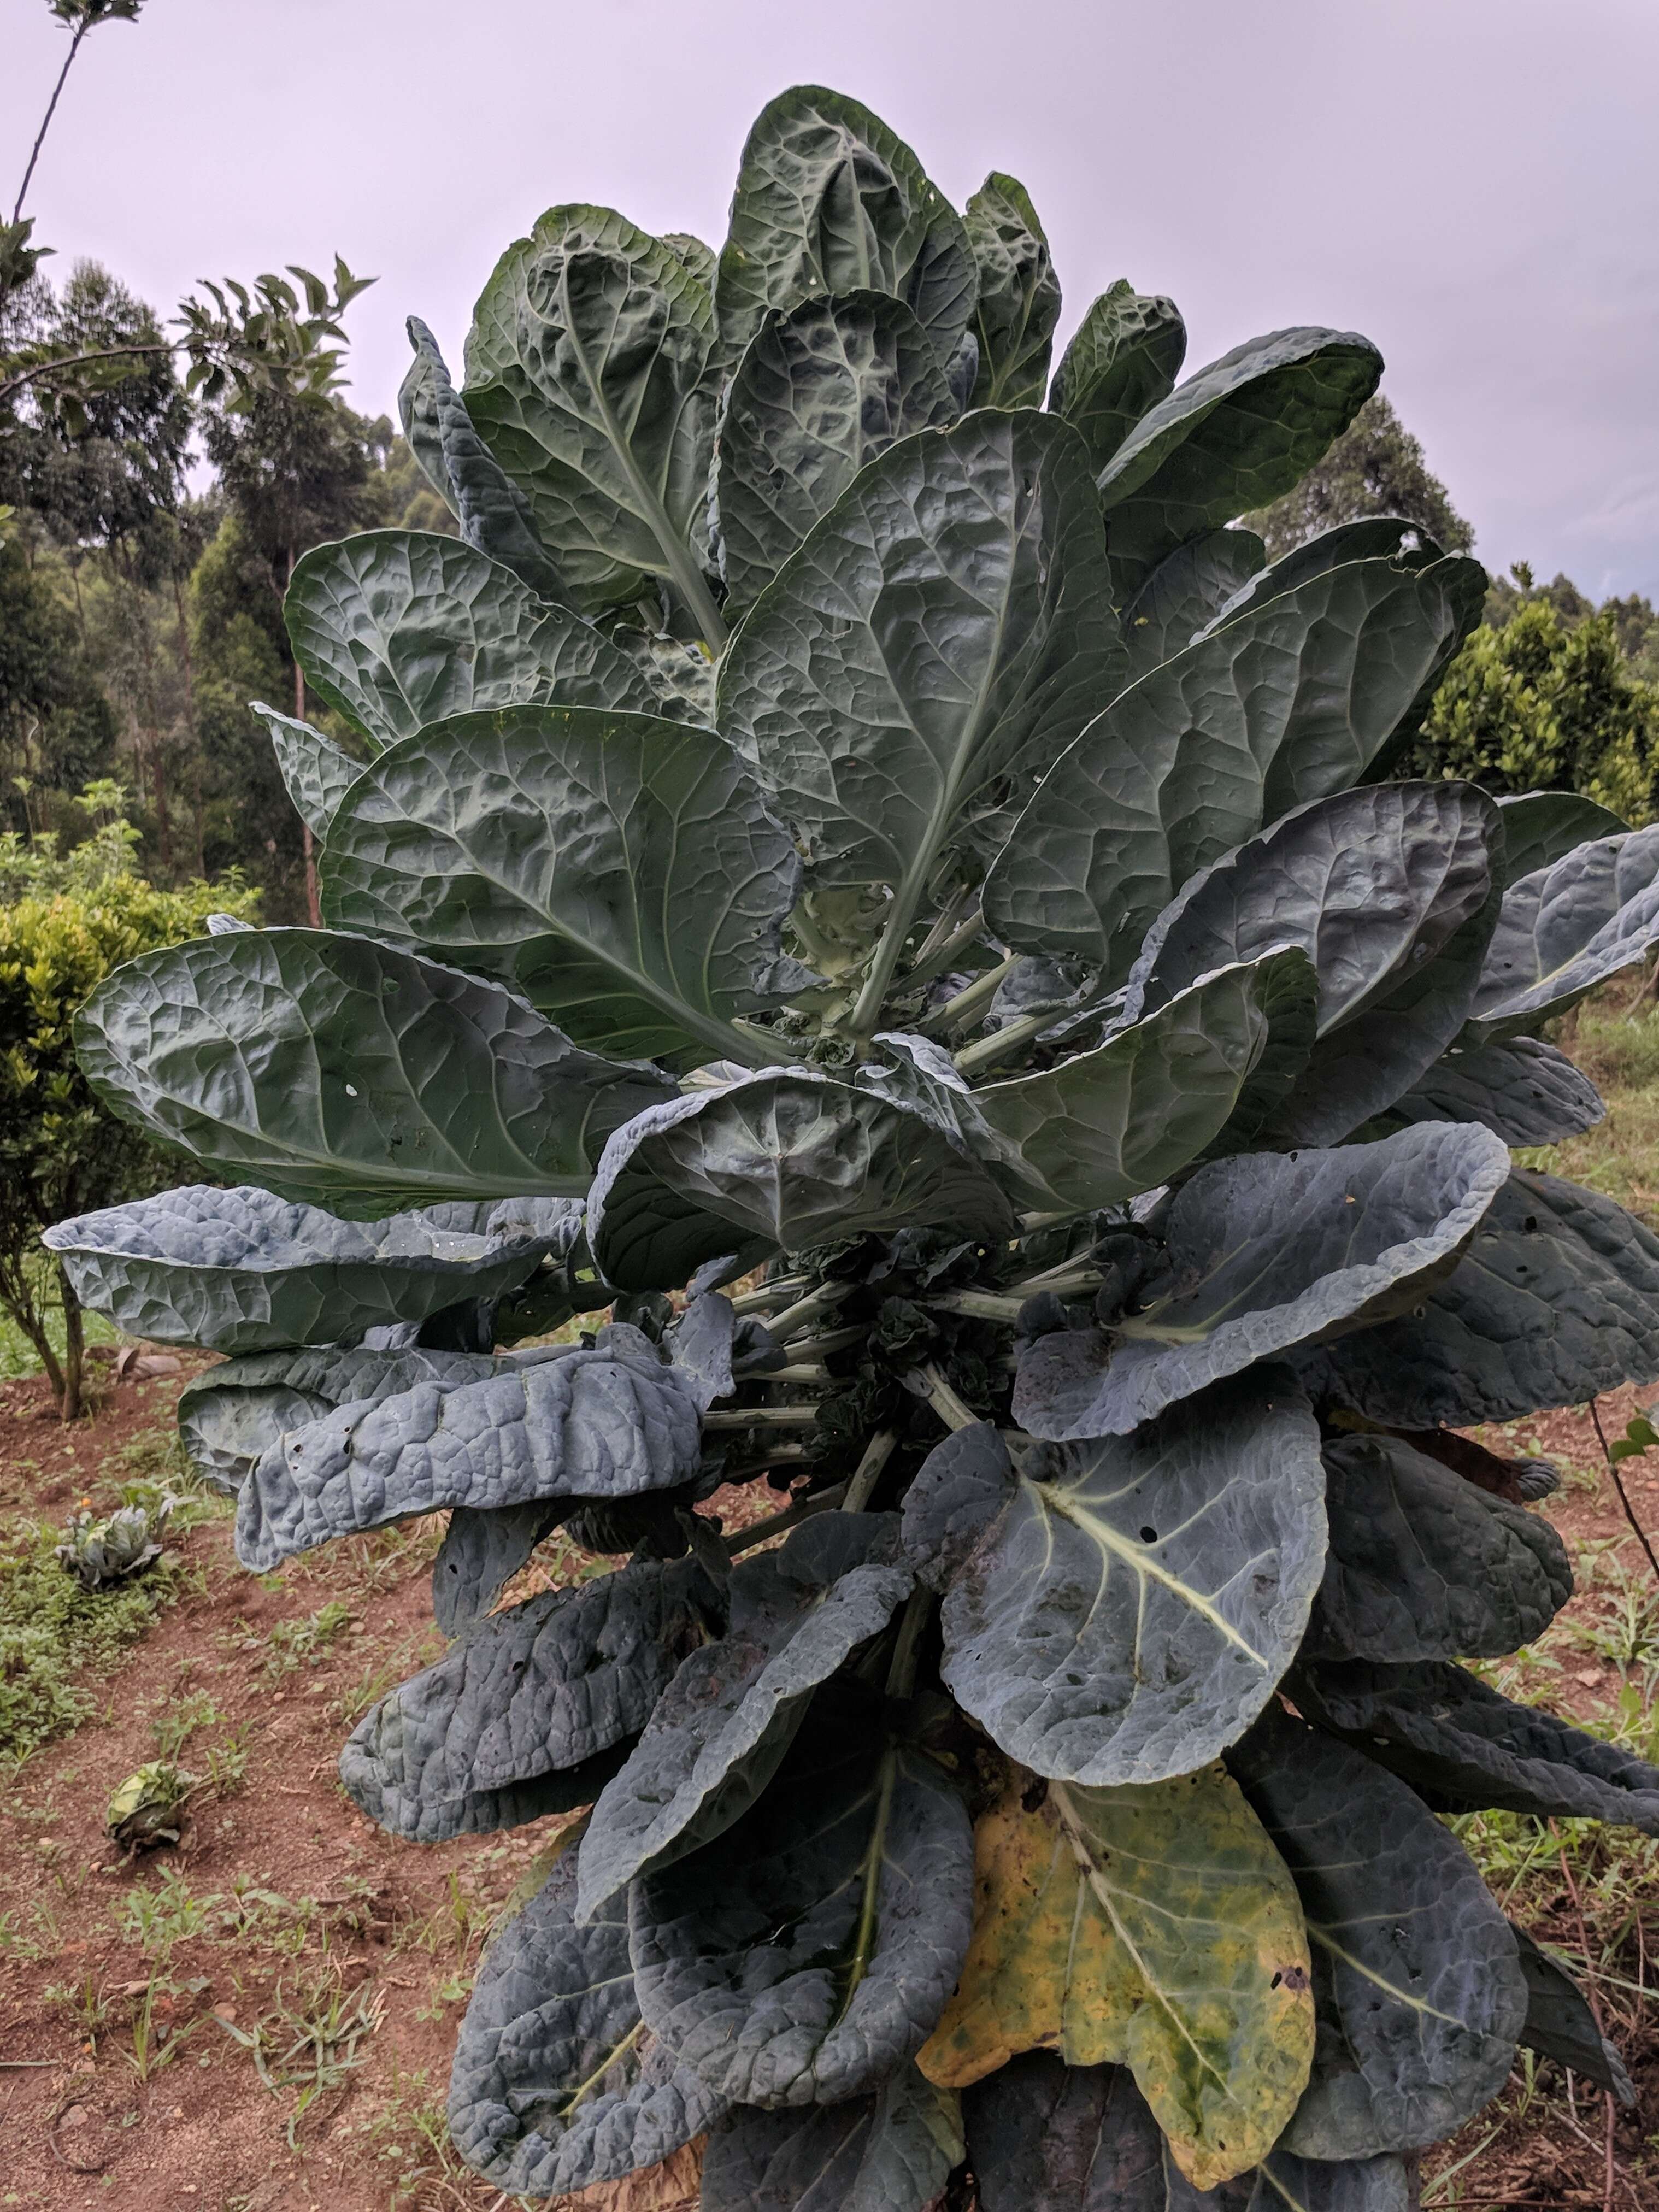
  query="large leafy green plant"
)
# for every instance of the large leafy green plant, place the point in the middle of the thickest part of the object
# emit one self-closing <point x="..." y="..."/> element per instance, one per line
<point x="839" y="825"/>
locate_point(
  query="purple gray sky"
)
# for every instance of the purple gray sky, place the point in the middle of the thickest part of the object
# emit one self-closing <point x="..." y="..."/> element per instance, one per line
<point x="1472" y="183"/>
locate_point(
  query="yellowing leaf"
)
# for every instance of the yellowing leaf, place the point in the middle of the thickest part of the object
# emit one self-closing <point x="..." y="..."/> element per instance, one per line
<point x="1152" y="1926"/>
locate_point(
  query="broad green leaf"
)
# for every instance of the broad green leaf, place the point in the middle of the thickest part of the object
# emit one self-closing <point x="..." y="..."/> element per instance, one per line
<point x="558" y="2084"/>
<point x="569" y="1423"/>
<point x="246" y="1271"/>
<point x="1566" y="928"/>
<point x="1554" y="1303"/>
<point x="483" y="1547"/>
<point x="1292" y="702"/>
<point x="1184" y="595"/>
<point x="316" y="773"/>
<point x="530" y="1695"/>
<point x="397" y="628"/>
<point x="1390" y="892"/>
<point x="623" y="873"/>
<point x="1018" y="303"/>
<point x="892" y="2152"/>
<point x="1542" y="826"/>
<point x="1527" y="1092"/>
<point x="817" y="393"/>
<point x="956" y="1493"/>
<point x="777" y="1162"/>
<point x="1123" y="360"/>
<point x="1423" y="1564"/>
<point x="344" y="1073"/>
<point x="1379" y="537"/>
<point x="1559" y="2024"/>
<point x="725" y="1721"/>
<point x="588" y="373"/>
<point x="1152" y="1926"/>
<point x="808" y="1951"/>
<point x="1130" y="1611"/>
<point x="943" y="631"/>
<point x="1466" y="1748"/>
<point x="1418" y="1989"/>
<point x="493" y="512"/>
<point x="1266" y="1252"/>
<point x="829" y="200"/>
<point x="1231" y="439"/>
<point x="1039" y="2131"/>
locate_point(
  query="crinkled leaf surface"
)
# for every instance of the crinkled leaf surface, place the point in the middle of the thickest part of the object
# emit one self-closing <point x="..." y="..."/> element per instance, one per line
<point x="1566" y="928"/>
<point x="1122" y="361"/>
<point x="1560" y="2025"/>
<point x="347" y="1073"/>
<point x="557" y="2082"/>
<point x="730" y="1714"/>
<point x="1184" y="595"/>
<point x="940" y="634"/>
<point x="1121" y="1119"/>
<point x="892" y="2152"/>
<point x="1266" y="1252"/>
<point x="1423" y="1564"/>
<point x="1542" y="826"/>
<point x="1523" y="1089"/>
<point x="588" y="374"/>
<point x="809" y="1950"/>
<point x="1152" y="1926"/>
<point x="1390" y="892"/>
<point x="540" y="1688"/>
<point x="400" y="628"/>
<point x="246" y="1271"/>
<point x="1018" y="303"/>
<point x="1232" y="438"/>
<point x="622" y="871"/>
<point x="572" y="1424"/>
<point x="1418" y="1987"/>
<point x="1292" y="701"/>
<point x="829" y="200"/>
<point x="1554" y="1301"/>
<point x="786" y="1160"/>
<point x="1465" y="1748"/>
<point x="315" y="773"/>
<point x="1129" y="1613"/>
<point x="959" y="1489"/>
<point x="1381" y="536"/>
<point x="493" y="512"/>
<point x="817" y="393"/>
<point x="701" y="1342"/>
<point x="1043" y="2136"/>
<point x="483" y="1547"/>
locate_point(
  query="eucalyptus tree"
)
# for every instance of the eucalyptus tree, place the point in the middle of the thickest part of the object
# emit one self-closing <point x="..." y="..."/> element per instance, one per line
<point x="878" y="916"/>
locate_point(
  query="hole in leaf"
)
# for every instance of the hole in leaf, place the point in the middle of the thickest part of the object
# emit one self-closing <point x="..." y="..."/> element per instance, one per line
<point x="1149" y="1535"/>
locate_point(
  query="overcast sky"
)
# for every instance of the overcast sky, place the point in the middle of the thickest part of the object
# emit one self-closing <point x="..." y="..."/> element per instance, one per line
<point x="1474" y="184"/>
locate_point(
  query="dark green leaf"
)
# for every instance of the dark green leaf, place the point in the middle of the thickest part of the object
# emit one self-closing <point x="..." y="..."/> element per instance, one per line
<point x="892" y="2152"/>
<point x="1131" y="1610"/>
<point x="1184" y="595"/>
<point x="1526" y="1092"/>
<point x="1566" y="928"/>
<point x="1019" y="294"/>
<point x="246" y="1271"/>
<point x="1291" y="701"/>
<point x="1266" y="1252"/>
<point x="1424" y="1566"/>
<point x="958" y="1491"/>
<point x="1232" y="438"/>
<point x="557" y="2084"/>
<point x="531" y="1694"/>
<point x="786" y="1161"/>
<point x="481" y="1550"/>
<point x="1542" y="826"/>
<point x="829" y="200"/>
<point x="817" y="393"/>
<point x="316" y="774"/>
<point x="1379" y="537"/>
<point x="731" y="1713"/>
<point x="561" y="1423"/>
<point x="1122" y="362"/>
<point x="397" y="628"/>
<point x="493" y="512"/>
<point x="1560" y="2025"/>
<point x="337" y="1070"/>
<point x="808" y="1951"/>
<point x="1419" y="1992"/>
<point x="623" y="872"/>
<point x="1557" y="1299"/>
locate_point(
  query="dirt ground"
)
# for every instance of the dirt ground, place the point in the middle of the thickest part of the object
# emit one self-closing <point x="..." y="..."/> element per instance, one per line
<point x="261" y="2020"/>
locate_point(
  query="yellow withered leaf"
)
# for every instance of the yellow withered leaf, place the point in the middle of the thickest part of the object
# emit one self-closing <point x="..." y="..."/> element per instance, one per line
<point x="1152" y="1926"/>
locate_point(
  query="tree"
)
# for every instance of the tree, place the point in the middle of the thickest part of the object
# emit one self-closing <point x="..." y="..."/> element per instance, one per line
<point x="56" y="731"/>
<point x="1376" y="467"/>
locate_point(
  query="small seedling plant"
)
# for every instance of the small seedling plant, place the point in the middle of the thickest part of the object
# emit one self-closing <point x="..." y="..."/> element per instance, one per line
<point x="854" y="878"/>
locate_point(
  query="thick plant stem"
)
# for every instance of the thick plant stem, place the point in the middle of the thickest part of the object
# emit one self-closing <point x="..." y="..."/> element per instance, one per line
<point x="763" y="1417"/>
<point x="927" y="1382"/>
<point x="868" y="1473"/>
<point x="984" y="1051"/>
<point x="901" y="1675"/>
<point x="970" y="1001"/>
<point x="822" y="1501"/>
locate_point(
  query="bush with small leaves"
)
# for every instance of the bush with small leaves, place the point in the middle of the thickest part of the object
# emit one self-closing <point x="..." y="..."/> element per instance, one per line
<point x="867" y="877"/>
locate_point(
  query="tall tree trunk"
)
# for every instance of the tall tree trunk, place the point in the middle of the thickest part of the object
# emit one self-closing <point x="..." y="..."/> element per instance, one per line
<point x="188" y="668"/>
<point x="308" y="843"/>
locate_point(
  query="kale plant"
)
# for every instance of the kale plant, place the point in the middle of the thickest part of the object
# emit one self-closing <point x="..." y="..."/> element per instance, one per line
<point x="866" y="879"/>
